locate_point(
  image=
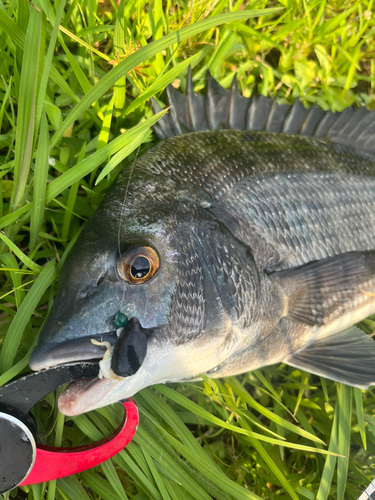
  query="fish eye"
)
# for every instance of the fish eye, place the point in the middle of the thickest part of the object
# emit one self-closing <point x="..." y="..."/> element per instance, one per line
<point x="138" y="264"/>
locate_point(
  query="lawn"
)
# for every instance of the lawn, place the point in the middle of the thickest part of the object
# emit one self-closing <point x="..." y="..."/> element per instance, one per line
<point x="75" y="84"/>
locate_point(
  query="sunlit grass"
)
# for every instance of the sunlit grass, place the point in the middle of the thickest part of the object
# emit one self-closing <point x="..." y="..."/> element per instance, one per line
<point x="75" y="83"/>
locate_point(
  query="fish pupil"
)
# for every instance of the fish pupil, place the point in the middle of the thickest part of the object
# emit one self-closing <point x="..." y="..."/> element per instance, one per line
<point x="140" y="267"/>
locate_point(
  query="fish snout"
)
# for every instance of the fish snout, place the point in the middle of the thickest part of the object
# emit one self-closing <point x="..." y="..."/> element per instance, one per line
<point x="46" y="355"/>
<point x="124" y="351"/>
<point x="129" y="349"/>
<point x="71" y="325"/>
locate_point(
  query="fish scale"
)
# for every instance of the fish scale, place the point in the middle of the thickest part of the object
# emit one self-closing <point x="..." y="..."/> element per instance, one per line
<point x="187" y="302"/>
<point x="174" y="159"/>
<point x="301" y="219"/>
<point x="262" y="218"/>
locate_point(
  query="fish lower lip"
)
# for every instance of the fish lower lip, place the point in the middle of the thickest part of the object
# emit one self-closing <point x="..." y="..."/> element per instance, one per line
<point x="80" y="396"/>
<point x="82" y="349"/>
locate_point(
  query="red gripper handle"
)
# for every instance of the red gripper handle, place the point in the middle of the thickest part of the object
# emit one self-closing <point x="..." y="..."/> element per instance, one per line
<point x="53" y="463"/>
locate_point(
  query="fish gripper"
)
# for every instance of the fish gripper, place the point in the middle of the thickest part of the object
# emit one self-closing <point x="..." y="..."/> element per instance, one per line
<point x="23" y="461"/>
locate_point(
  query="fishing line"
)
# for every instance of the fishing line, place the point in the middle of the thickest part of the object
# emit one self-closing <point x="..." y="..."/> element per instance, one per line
<point x="122" y="214"/>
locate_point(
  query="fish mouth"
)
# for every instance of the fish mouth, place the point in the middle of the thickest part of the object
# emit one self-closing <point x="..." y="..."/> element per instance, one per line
<point x="78" y="396"/>
<point x="126" y="365"/>
<point x="51" y="354"/>
<point x="84" y="395"/>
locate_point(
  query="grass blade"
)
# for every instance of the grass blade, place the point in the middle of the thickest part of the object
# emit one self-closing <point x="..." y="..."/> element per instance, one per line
<point x="145" y="53"/>
<point x="10" y="262"/>
<point x="11" y="218"/>
<point x="330" y="463"/>
<point x="122" y="154"/>
<point x="71" y="200"/>
<point x="17" y="368"/>
<point x="12" y="340"/>
<point x="180" y="399"/>
<point x="18" y="37"/>
<point x="106" y="127"/>
<point x="114" y="480"/>
<point x="173" y="421"/>
<point x="209" y="471"/>
<point x="344" y="430"/>
<point x="156" y="476"/>
<point x="182" y="471"/>
<point x="239" y="389"/>
<point x="97" y="484"/>
<point x="47" y="66"/>
<point x="89" y="164"/>
<point x="360" y="415"/>
<point x="40" y="182"/>
<point x="161" y="82"/>
<point x="119" y="42"/>
<point x="72" y="488"/>
<point x="23" y="258"/>
<point x="26" y="106"/>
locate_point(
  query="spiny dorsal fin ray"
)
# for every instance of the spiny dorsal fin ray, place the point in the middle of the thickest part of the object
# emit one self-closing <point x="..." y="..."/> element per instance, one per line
<point x="295" y="118"/>
<point x="162" y="128"/>
<point x="220" y="108"/>
<point x="195" y="113"/>
<point x="276" y="117"/>
<point x="258" y="112"/>
<point x="237" y="107"/>
<point x="177" y="104"/>
<point x="216" y="103"/>
<point x="313" y="118"/>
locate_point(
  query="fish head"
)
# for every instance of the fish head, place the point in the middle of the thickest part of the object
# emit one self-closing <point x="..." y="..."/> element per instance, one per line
<point x="148" y="261"/>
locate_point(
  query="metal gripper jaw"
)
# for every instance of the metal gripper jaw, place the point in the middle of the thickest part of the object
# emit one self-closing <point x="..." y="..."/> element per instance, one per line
<point x="24" y="461"/>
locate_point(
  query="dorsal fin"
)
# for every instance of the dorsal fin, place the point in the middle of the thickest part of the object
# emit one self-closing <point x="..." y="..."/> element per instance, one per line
<point x="227" y="109"/>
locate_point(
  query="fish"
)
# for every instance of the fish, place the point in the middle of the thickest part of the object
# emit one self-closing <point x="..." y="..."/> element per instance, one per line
<point x="243" y="238"/>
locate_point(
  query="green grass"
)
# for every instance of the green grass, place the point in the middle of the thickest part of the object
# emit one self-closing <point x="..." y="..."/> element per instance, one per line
<point x="75" y="83"/>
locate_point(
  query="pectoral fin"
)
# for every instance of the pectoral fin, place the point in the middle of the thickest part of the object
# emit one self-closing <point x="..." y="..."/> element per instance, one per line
<point x="320" y="290"/>
<point x="347" y="357"/>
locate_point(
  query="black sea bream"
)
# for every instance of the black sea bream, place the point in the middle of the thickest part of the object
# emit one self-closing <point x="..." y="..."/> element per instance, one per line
<point x="245" y="237"/>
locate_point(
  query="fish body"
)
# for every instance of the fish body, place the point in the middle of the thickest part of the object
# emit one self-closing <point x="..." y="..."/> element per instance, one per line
<point x="229" y="250"/>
